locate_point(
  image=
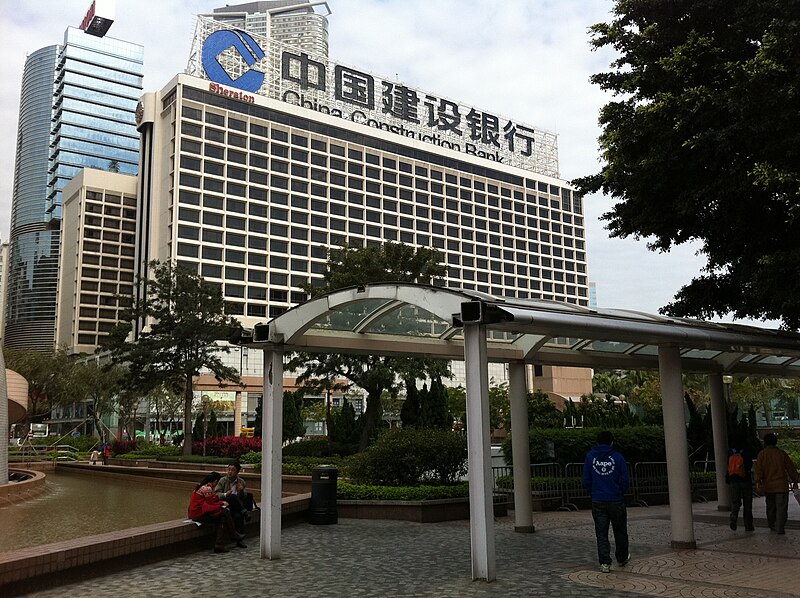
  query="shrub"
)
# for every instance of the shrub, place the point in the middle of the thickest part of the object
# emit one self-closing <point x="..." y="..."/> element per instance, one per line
<point x="211" y="460"/>
<point x="227" y="446"/>
<point x="307" y="448"/>
<point x="347" y="491"/>
<point x="250" y="457"/>
<point x="120" y="447"/>
<point x="409" y="457"/>
<point x="636" y="443"/>
<point x="149" y="451"/>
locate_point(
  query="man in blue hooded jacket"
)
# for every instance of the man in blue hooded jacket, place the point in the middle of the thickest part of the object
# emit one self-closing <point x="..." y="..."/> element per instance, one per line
<point x="605" y="477"/>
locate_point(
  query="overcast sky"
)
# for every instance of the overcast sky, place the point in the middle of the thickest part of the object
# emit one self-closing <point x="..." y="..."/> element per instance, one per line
<point x="529" y="60"/>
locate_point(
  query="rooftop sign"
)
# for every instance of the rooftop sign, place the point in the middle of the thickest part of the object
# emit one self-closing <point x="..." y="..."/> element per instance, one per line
<point x="99" y="18"/>
<point x="262" y="66"/>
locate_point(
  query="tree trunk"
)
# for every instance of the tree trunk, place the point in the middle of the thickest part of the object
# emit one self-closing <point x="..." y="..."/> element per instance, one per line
<point x="187" y="418"/>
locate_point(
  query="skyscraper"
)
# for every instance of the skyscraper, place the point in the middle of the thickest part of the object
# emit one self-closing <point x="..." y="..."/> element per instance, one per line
<point x="293" y="22"/>
<point x="77" y="110"/>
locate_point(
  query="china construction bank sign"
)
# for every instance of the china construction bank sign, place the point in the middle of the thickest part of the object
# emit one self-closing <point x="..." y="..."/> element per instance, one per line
<point x="239" y="64"/>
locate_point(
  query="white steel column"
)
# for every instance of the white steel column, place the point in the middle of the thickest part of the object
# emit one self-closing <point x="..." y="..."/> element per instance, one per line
<point x="271" y="437"/>
<point x="481" y="510"/>
<point x="677" y="448"/>
<point x="520" y="448"/>
<point x="719" y="427"/>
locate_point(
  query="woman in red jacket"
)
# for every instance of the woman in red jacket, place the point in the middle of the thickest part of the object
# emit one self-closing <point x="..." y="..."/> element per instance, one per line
<point x="206" y="507"/>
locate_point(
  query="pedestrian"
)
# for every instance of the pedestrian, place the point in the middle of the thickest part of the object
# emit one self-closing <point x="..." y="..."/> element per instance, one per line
<point x="95" y="456"/>
<point x="106" y="452"/>
<point x="774" y="471"/>
<point x="740" y="480"/>
<point x="605" y="477"/>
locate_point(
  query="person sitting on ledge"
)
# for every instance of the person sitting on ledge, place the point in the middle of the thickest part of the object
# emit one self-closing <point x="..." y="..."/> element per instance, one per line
<point x="206" y="507"/>
<point x="230" y="488"/>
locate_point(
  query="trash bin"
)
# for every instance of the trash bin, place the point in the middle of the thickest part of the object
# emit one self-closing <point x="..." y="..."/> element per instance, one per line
<point x="323" y="495"/>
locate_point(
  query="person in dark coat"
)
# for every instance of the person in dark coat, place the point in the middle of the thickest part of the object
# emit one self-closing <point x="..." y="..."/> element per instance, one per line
<point x="605" y="477"/>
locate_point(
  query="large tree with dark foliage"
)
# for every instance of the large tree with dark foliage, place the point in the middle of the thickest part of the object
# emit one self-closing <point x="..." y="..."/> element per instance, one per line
<point x="356" y="266"/>
<point x="702" y="142"/>
<point x="186" y="317"/>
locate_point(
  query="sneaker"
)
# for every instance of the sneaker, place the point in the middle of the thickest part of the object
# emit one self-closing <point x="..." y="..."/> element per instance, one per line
<point x="624" y="562"/>
<point x="733" y="524"/>
<point x="749" y="528"/>
<point x="605" y="568"/>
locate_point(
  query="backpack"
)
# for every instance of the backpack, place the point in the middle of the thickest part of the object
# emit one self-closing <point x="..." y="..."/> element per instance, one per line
<point x="736" y="465"/>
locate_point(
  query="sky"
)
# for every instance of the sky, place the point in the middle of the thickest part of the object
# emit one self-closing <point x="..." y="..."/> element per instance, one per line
<point x="529" y="60"/>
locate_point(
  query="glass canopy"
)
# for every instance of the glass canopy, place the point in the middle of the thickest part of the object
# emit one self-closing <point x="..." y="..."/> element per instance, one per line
<point x="414" y="319"/>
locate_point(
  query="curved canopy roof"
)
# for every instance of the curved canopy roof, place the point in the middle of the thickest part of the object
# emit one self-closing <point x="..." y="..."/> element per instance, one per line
<point x="401" y="318"/>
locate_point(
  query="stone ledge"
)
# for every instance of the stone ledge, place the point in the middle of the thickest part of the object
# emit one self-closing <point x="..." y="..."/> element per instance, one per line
<point x="18" y="491"/>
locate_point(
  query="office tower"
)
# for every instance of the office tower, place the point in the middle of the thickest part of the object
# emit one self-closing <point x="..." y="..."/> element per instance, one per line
<point x="299" y="23"/>
<point x="77" y="111"/>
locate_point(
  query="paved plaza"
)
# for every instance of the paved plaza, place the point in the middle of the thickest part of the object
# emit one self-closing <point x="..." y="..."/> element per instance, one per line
<point x="392" y="558"/>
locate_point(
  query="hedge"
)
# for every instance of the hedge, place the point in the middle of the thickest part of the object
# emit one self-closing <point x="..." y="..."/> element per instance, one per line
<point x="636" y="443"/>
<point x="348" y="491"/>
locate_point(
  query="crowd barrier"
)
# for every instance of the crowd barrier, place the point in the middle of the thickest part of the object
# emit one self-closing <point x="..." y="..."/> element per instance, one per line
<point x="557" y="487"/>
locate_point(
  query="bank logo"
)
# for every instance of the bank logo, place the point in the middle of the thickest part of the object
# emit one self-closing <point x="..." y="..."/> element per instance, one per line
<point x="220" y="41"/>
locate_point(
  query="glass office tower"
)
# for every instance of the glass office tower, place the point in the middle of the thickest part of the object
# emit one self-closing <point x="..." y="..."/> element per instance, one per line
<point x="77" y="110"/>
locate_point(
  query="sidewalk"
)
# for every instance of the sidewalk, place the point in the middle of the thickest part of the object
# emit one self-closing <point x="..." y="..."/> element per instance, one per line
<point x="393" y="558"/>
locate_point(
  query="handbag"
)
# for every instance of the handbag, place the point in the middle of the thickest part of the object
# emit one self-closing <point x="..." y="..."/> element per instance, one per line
<point x="796" y="493"/>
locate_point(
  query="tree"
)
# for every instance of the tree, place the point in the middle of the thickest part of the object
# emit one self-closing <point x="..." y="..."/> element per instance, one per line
<point x="433" y="411"/>
<point x="113" y="166"/>
<point x="702" y="143"/>
<point x="293" y="425"/>
<point x="99" y="384"/>
<point x="49" y="376"/>
<point x="542" y="412"/>
<point x="186" y="317"/>
<point x="354" y="266"/>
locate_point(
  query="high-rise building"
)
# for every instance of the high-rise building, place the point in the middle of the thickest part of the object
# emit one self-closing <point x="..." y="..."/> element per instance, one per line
<point x="77" y="110"/>
<point x="252" y="170"/>
<point x="299" y="23"/>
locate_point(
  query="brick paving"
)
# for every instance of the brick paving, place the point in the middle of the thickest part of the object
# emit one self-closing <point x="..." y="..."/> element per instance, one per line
<point x="367" y="558"/>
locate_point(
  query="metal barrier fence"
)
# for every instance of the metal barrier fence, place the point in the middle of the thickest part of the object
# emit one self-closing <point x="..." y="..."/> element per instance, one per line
<point x="562" y="487"/>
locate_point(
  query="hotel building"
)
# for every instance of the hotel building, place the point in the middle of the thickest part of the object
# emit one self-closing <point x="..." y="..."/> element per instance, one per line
<point x="251" y="187"/>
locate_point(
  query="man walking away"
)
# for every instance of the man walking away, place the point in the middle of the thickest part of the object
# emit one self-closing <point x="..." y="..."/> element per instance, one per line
<point x="774" y="470"/>
<point x="605" y="477"/>
<point x="740" y="479"/>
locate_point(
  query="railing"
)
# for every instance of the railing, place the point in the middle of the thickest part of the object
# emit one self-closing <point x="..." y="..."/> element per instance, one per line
<point x="562" y="487"/>
<point x="29" y="453"/>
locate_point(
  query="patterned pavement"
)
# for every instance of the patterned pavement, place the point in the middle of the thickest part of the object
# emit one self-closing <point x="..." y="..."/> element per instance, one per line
<point x="391" y="558"/>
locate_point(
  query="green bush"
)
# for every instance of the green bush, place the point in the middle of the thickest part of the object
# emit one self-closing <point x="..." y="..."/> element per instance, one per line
<point x="410" y="457"/>
<point x="636" y="443"/>
<point x="347" y="491"/>
<point x="307" y="448"/>
<point x="150" y="451"/>
<point x="250" y="458"/>
<point x="81" y="443"/>
<point x="198" y="459"/>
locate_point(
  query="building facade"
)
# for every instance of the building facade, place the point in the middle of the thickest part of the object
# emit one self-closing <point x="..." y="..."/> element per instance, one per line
<point x="97" y="257"/>
<point x="32" y="273"/>
<point x="252" y="194"/>
<point x="77" y="111"/>
<point x="302" y="24"/>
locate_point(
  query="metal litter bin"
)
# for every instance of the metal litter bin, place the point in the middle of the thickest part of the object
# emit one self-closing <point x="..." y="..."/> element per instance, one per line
<point x="323" y="495"/>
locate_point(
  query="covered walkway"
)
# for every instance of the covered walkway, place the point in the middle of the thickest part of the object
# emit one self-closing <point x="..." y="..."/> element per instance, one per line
<point x="398" y="319"/>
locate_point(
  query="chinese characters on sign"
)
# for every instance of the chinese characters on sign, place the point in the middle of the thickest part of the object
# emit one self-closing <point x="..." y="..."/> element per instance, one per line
<point x="318" y="84"/>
